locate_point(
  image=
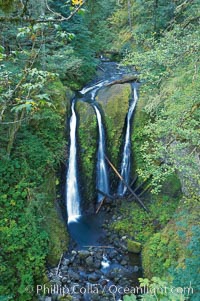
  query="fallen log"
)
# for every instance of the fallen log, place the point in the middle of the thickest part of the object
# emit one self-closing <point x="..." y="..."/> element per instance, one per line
<point x="143" y="183"/>
<point x="134" y="180"/>
<point x="128" y="187"/>
<point x="125" y="79"/>
<point x="100" y="205"/>
<point x="145" y="190"/>
<point x="104" y="247"/>
<point x="101" y="68"/>
<point x="59" y="264"/>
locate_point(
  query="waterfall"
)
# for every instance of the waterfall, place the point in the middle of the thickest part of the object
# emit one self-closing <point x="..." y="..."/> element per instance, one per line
<point x="94" y="88"/>
<point x="125" y="165"/>
<point x="102" y="174"/>
<point x="72" y="191"/>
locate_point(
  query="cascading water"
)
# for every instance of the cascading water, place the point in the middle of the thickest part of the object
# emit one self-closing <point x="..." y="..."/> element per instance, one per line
<point x="94" y="88"/>
<point x="105" y="263"/>
<point x="125" y="165"/>
<point x="72" y="191"/>
<point x="102" y="174"/>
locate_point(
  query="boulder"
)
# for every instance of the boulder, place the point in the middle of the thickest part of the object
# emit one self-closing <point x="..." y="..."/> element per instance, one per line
<point x="134" y="246"/>
<point x="93" y="277"/>
<point x="83" y="254"/>
<point x="89" y="261"/>
<point x="73" y="275"/>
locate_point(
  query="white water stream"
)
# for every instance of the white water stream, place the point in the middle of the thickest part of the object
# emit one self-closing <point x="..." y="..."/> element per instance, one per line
<point x="72" y="190"/>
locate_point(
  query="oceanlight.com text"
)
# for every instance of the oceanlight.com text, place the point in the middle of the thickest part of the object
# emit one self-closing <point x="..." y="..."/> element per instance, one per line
<point x="111" y="289"/>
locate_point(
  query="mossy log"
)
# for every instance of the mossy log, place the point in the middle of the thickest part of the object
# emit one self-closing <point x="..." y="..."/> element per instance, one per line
<point x="124" y="80"/>
<point x="128" y="187"/>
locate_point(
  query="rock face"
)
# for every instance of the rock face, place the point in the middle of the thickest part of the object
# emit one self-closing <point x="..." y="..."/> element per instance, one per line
<point x="114" y="102"/>
<point x="87" y="140"/>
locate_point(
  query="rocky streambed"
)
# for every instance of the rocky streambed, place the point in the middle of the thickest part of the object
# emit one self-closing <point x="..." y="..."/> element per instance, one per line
<point x="103" y="271"/>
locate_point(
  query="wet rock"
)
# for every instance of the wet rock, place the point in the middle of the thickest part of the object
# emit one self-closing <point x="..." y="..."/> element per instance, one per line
<point x="56" y="280"/>
<point x="77" y="298"/>
<point x="124" y="238"/>
<point x="93" y="277"/>
<point x="64" y="270"/>
<point x="99" y="255"/>
<point x="111" y="275"/>
<point x="116" y="280"/>
<point x="135" y="269"/>
<point x="124" y="262"/>
<point x="104" y="282"/>
<point x="73" y="275"/>
<point x="97" y="264"/>
<point x="112" y="254"/>
<point x="89" y="261"/>
<point x="64" y="280"/>
<point x="123" y="248"/>
<point x="83" y="254"/>
<point x="66" y="262"/>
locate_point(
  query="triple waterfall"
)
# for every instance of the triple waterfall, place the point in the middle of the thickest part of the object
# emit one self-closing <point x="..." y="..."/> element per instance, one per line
<point x="73" y="199"/>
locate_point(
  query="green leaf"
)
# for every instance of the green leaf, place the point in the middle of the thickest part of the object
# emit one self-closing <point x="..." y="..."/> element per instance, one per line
<point x="130" y="298"/>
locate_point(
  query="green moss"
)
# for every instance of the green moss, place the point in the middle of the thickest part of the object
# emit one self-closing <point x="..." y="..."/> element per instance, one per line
<point x="60" y="96"/>
<point x="173" y="246"/>
<point x="138" y="223"/>
<point x="6" y="5"/>
<point x="114" y="101"/>
<point x="87" y="137"/>
<point x="138" y="137"/>
<point x="134" y="246"/>
<point x="53" y="222"/>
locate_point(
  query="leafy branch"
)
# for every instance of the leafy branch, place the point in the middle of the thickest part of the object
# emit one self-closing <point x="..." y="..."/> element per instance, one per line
<point x="60" y="18"/>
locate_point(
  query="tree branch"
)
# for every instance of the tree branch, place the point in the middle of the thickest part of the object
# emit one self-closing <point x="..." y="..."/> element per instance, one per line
<point x="50" y="20"/>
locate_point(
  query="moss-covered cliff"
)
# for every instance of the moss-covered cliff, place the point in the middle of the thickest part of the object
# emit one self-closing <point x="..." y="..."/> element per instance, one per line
<point x="114" y="102"/>
<point x="87" y="144"/>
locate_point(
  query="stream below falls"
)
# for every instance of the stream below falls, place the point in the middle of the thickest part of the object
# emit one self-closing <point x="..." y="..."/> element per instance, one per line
<point x="98" y="265"/>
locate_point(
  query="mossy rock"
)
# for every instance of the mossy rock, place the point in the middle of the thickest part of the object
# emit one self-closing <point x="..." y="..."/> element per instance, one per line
<point x="54" y="223"/>
<point x="87" y="141"/>
<point x="134" y="246"/>
<point x="114" y="101"/>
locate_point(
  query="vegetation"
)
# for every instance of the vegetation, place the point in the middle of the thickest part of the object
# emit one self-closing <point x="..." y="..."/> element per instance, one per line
<point x="87" y="138"/>
<point x="165" y="51"/>
<point x="47" y="47"/>
<point x="159" y="290"/>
